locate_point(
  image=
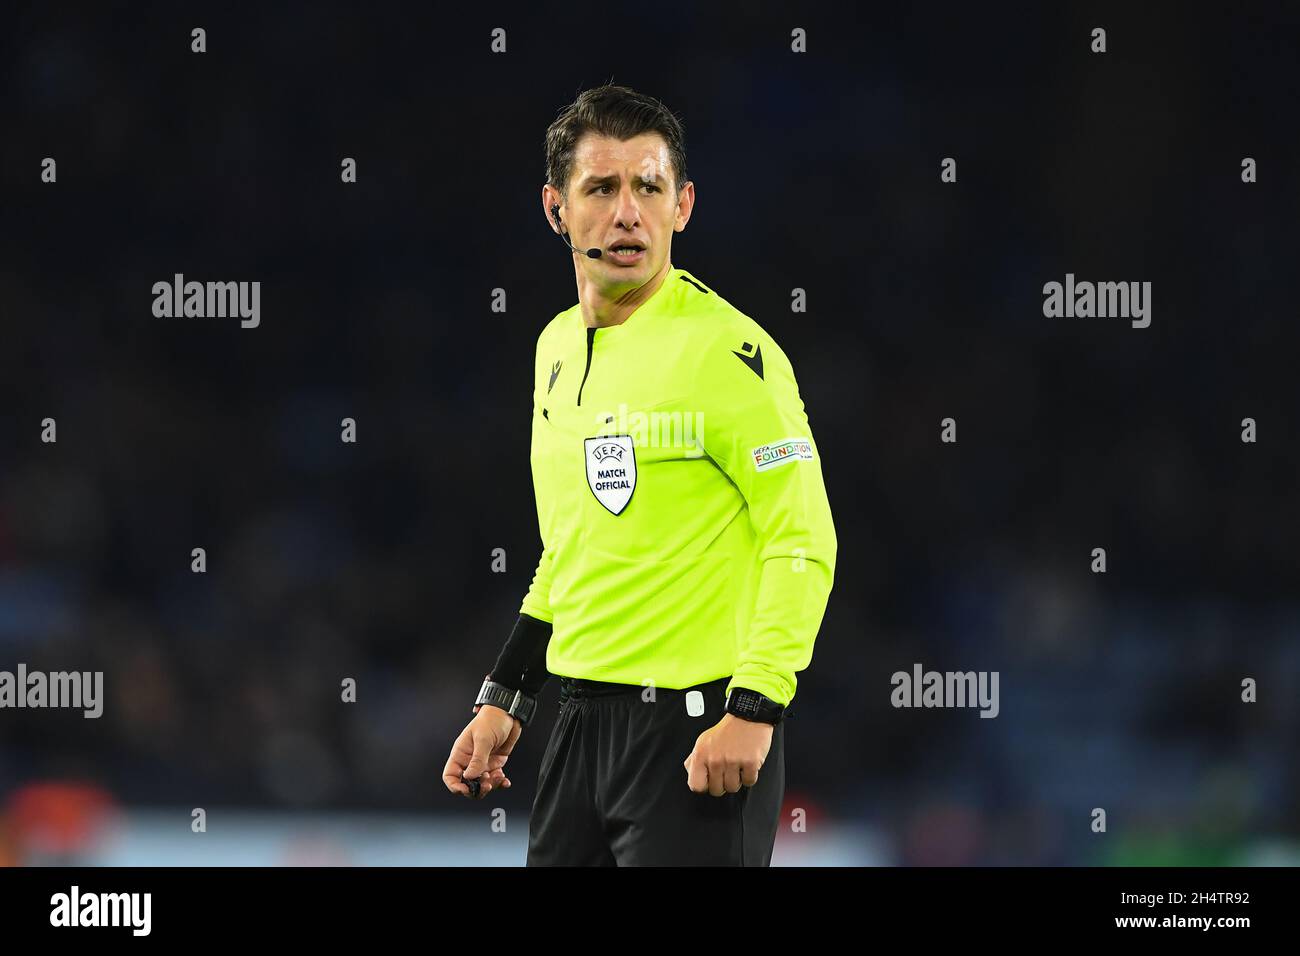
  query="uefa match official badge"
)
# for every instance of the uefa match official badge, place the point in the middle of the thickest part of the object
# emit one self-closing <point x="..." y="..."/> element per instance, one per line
<point x="611" y="470"/>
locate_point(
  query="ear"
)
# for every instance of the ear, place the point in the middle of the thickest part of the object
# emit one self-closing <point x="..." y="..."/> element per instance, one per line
<point x="685" y="204"/>
<point x="551" y="201"/>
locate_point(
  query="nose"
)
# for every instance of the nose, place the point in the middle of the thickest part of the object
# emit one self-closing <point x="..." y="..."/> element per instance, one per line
<point x="629" y="213"/>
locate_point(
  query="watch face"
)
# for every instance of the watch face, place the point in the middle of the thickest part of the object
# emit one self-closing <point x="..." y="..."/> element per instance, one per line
<point x="744" y="703"/>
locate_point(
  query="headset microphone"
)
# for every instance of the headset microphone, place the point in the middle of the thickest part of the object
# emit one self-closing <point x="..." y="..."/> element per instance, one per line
<point x="592" y="253"/>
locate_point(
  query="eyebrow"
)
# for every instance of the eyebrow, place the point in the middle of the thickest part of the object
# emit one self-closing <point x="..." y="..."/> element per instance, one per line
<point x="613" y="178"/>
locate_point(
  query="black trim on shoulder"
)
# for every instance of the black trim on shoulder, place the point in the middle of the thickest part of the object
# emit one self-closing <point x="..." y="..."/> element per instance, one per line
<point x="694" y="283"/>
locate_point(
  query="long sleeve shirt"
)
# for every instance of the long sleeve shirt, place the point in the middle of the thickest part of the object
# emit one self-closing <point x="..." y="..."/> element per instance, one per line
<point x="685" y="527"/>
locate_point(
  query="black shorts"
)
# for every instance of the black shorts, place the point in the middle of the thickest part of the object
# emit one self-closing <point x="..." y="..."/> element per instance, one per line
<point x="612" y="787"/>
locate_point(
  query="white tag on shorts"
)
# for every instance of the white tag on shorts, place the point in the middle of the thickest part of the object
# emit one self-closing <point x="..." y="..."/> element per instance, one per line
<point x="694" y="703"/>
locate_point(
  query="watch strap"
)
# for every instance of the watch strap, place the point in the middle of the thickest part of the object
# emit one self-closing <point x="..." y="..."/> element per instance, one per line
<point x="514" y="702"/>
<point x="751" y="705"/>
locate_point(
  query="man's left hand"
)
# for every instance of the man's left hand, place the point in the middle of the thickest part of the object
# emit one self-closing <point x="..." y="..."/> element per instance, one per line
<point x="728" y="755"/>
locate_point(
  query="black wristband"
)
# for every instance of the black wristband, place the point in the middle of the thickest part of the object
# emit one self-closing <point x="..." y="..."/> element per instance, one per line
<point x="522" y="662"/>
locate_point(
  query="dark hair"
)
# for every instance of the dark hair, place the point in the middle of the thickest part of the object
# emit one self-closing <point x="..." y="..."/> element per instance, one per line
<point x="615" y="111"/>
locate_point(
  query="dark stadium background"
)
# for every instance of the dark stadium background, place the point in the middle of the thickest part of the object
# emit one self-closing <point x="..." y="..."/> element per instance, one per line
<point x="818" y="171"/>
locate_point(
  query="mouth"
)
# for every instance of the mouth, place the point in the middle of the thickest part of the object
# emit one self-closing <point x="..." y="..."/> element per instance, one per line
<point x="626" y="254"/>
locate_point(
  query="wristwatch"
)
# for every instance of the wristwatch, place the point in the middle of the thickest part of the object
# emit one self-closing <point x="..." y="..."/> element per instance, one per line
<point x="751" y="705"/>
<point x="514" y="702"/>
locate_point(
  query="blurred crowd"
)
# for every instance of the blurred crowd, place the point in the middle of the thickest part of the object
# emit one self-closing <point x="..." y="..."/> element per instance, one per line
<point x="373" y="561"/>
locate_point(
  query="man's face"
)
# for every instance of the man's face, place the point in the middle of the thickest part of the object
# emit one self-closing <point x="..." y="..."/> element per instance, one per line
<point x="622" y="192"/>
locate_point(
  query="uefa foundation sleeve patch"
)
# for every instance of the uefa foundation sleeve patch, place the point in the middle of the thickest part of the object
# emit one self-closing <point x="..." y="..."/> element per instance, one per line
<point x="778" y="453"/>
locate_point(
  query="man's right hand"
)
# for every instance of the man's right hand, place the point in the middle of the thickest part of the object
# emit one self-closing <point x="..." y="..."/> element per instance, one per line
<point x="481" y="751"/>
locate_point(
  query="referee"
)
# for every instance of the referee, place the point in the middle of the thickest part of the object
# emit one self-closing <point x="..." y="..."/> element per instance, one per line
<point x="688" y="548"/>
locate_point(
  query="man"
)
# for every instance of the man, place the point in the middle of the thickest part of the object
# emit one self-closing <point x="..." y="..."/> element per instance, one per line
<point x="688" y="547"/>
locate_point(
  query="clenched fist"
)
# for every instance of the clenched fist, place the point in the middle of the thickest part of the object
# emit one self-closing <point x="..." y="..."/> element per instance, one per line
<point x="728" y="756"/>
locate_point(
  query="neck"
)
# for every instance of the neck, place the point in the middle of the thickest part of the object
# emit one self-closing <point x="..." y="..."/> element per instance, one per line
<point x="603" y="307"/>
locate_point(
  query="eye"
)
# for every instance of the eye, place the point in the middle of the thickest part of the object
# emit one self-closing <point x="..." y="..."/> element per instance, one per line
<point x="606" y="186"/>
